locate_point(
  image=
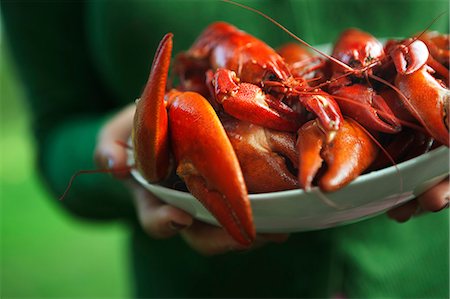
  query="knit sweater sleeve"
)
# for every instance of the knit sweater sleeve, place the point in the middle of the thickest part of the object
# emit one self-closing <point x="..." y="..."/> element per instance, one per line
<point x="67" y="100"/>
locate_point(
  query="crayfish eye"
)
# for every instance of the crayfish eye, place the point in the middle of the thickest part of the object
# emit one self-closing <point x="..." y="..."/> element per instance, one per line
<point x="355" y="63"/>
<point x="269" y="76"/>
<point x="368" y="59"/>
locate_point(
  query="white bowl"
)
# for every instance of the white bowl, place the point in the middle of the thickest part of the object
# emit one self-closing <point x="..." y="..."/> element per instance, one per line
<point x="298" y="210"/>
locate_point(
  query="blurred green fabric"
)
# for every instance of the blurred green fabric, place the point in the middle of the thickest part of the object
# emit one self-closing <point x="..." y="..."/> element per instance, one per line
<point x="101" y="52"/>
<point x="44" y="252"/>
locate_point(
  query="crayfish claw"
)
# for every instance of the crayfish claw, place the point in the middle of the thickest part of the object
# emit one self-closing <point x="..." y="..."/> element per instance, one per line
<point x="428" y="101"/>
<point x="208" y="165"/>
<point x="248" y="102"/>
<point x="364" y="105"/>
<point x="150" y="128"/>
<point x="350" y="152"/>
<point x="409" y="56"/>
<point x="267" y="157"/>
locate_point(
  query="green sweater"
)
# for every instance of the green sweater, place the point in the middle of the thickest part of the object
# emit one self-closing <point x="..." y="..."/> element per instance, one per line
<point x="82" y="61"/>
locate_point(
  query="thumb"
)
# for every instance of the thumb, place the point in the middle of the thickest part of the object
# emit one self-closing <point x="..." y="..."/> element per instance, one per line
<point x="109" y="153"/>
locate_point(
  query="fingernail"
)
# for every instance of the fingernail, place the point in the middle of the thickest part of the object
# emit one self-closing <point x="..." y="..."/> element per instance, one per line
<point x="176" y="226"/>
<point x="419" y="210"/>
<point x="446" y="205"/>
<point x="110" y="163"/>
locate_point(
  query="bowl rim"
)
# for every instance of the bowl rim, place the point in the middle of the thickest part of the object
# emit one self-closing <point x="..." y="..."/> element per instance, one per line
<point x="298" y="192"/>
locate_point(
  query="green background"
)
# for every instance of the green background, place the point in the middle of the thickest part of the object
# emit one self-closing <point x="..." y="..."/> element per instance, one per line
<point x="44" y="252"/>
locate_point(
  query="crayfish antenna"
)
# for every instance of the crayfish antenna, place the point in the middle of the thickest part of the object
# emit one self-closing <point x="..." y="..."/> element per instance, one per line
<point x="428" y="27"/>
<point x="276" y="23"/>
<point x="118" y="170"/>
<point x="92" y="171"/>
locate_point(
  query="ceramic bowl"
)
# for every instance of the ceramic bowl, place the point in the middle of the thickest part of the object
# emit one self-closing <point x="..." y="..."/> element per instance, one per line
<point x="298" y="210"/>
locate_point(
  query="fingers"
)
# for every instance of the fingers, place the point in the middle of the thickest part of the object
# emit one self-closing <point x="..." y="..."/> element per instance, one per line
<point x="158" y="219"/>
<point x="404" y="212"/>
<point x="161" y="221"/>
<point x="433" y="200"/>
<point x="109" y="153"/>
<point x="211" y="240"/>
<point x="436" y="198"/>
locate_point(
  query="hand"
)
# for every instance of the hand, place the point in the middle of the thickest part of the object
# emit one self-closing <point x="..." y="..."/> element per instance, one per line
<point x="160" y="220"/>
<point x="109" y="154"/>
<point x="433" y="200"/>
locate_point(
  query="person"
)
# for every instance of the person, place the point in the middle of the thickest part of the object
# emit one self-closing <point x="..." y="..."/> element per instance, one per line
<point x="84" y="63"/>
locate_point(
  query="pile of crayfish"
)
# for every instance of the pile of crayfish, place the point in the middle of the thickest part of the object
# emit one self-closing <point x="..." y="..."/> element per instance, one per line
<point x="246" y="118"/>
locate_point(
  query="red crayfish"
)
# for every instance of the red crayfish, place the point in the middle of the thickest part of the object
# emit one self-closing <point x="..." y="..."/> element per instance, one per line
<point x="246" y="118"/>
